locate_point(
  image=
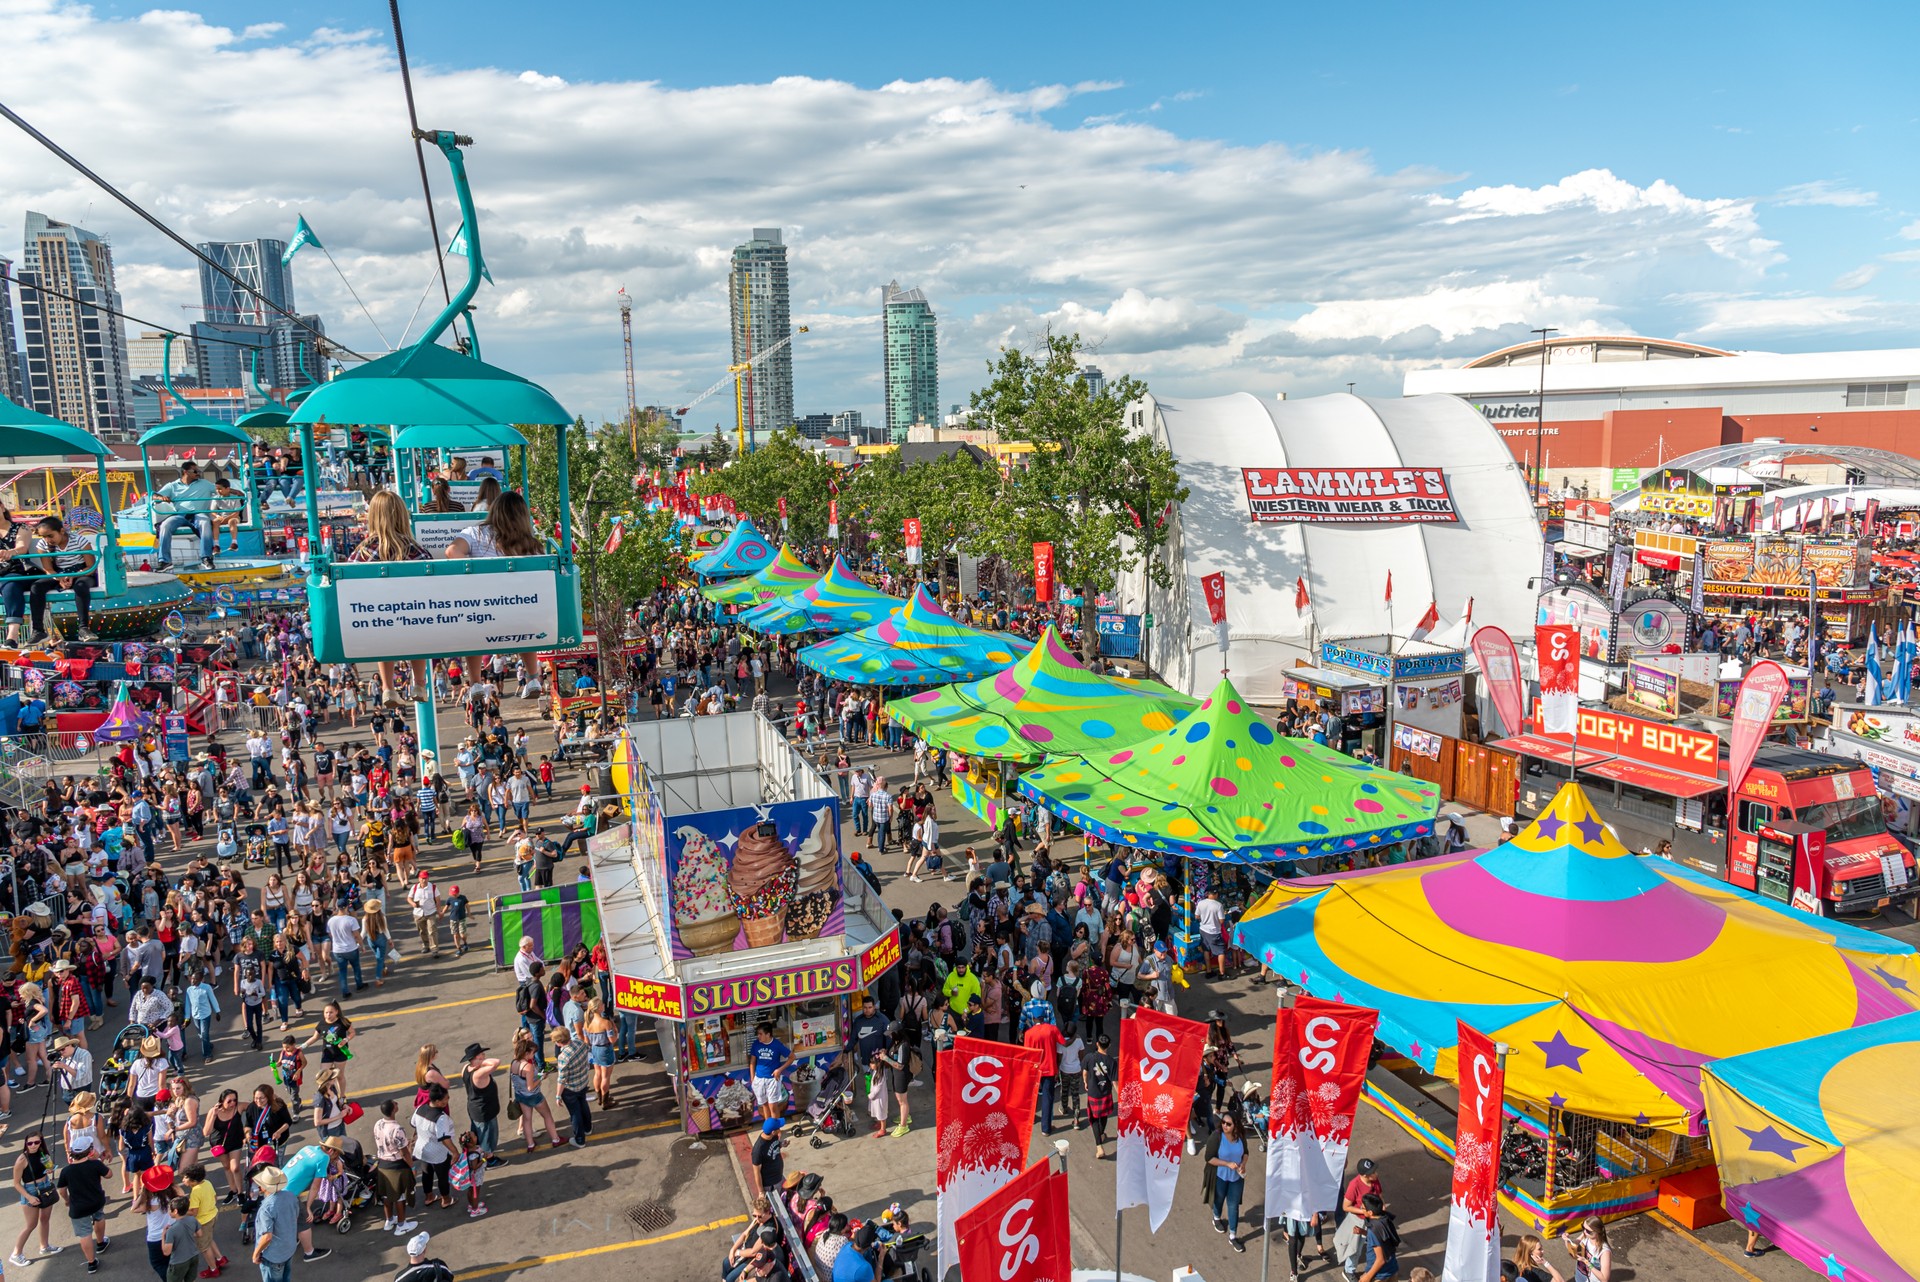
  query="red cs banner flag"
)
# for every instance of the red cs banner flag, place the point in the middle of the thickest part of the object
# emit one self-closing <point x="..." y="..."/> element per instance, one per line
<point x="1043" y="572"/>
<point x="1214" y="588"/>
<point x="911" y="528"/>
<point x="1020" y="1233"/>
<point x="983" y="1118"/>
<point x="1557" y="652"/>
<point x="1320" y="1055"/>
<point x="1159" y="1067"/>
<point x="1473" y="1220"/>
<point x="833" y="518"/>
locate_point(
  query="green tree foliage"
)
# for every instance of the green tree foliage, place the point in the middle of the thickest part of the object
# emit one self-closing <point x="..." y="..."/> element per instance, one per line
<point x="1092" y="487"/>
<point x="780" y="468"/>
<point x="950" y="494"/>
<point x="600" y="471"/>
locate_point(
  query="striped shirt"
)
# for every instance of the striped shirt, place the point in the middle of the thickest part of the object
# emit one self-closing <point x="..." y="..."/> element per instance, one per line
<point x="880" y="804"/>
<point x="427" y="804"/>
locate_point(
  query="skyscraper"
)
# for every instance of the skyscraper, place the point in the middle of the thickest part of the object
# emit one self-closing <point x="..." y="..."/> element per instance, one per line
<point x="76" y="353"/>
<point x="912" y="359"/>
<point x="758" y="299"/>
<point x="9" y="339"/>
<point x="257" y="263"/>
<point x="1095" y="380"/>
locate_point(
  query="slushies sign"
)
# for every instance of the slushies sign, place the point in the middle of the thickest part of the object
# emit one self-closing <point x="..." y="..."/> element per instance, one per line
<point x="458" y="614"/>
<point x="1349" y="495"/>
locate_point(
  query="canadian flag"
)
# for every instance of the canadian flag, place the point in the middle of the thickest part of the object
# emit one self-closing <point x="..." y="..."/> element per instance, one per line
<point x="1428" y="621"/>
<point x="1300" y="599"/>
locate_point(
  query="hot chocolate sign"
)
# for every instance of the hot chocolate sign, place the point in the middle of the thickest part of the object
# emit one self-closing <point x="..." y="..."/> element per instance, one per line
<point x="755" y="876"/>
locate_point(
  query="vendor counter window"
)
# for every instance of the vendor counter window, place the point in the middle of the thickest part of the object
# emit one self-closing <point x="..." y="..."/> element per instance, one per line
<point x="719" y="1042"/>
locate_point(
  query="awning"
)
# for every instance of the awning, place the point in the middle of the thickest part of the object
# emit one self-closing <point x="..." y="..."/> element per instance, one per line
<point x="1533" y="745"/>
<point x="1654" y="779"/>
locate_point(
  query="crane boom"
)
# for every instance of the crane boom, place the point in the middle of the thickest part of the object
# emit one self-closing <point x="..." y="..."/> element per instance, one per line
<point x="735" y="371"/>
<point x="626" y="341"/>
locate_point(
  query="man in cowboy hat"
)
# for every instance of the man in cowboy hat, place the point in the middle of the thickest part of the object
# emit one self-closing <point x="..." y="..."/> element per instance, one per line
<point x="72" y="1068"/>
<point x="276" y="1225"/>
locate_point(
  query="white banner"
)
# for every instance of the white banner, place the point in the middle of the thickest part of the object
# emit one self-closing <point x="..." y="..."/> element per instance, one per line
<point x="457" y="614"/>
<point x="436" y="535"/>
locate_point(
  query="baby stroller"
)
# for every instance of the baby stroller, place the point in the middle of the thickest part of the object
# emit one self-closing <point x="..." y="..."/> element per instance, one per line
<point x="250" y="1198"/>
<point x="903" y="1258"/>
<point x="356" y="1182"/>
<point x="831" y="1102"/>
<point x="126" y="1049"/>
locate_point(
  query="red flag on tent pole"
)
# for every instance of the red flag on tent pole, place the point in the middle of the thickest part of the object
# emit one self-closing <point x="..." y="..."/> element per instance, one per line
<point x="1428" y="621"/>
<point x="1300" y="600"/>
<point x="1389" y="587"/>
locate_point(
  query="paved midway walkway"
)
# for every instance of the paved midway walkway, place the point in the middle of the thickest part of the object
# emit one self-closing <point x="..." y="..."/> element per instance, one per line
<point x="566" y="1213"/>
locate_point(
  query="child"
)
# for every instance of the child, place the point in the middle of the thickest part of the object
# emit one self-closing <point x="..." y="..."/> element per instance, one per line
<point x="973" y="864"/>
<point x="546" y="775"/>
<point x="256" y="845"/>
<point x="469" y="1172"/>
<point x="457" y="920"/>
<point x="253" y="1002"/>
<point x="180" y="1242"/>
<point x="227" y="507"/>
<point x="174" y="1039"/>
<point x="328" y="1203"/>
<point x="289" y="1068"/>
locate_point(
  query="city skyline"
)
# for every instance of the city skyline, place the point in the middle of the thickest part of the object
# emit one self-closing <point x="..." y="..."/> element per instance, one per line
<point x="1348" y="235"/>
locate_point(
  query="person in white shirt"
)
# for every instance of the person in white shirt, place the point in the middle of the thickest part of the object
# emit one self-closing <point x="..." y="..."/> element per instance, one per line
<point x="426" y="913"/>
<point x="1210" y="918"/>
<point x="343" y="935"/>
<point x="525" y="960"/>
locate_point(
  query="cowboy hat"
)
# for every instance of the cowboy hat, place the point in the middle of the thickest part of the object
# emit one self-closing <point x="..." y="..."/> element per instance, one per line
<point x="157" y="1179"/>
<point x="62" y="966"/>
<point x="271" y="1179"/>
<point x="334" y="1144"/>
<point x="150" y="1048"/>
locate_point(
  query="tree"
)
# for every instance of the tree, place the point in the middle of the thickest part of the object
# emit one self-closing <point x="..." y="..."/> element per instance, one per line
<point x="951" y="495"/>
<point x="781" y="468"/>
<point x="1091" y="487"/>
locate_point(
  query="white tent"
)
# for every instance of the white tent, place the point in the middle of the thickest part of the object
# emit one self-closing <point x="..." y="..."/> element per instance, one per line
<point x="1489" y="555"/>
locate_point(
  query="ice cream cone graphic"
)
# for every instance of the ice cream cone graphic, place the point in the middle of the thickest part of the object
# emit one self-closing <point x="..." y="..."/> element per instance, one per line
<point x="703" y="914"/>
<point x="817" y="886"/>
<point x="760" y="885"/>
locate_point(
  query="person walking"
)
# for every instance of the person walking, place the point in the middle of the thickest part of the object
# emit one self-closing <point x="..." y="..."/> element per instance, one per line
<point x="276" y="1225"/>
<point x="1226" y="1177"/>
<point x="33" y="1181"/>
<point x="574" y="1068"/>
<point x="420" y="1267"/>
<point x="483" y="1100"/>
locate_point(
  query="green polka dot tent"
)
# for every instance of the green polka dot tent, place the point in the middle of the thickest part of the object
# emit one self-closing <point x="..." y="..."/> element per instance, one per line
<point x="1222" y="785"/>
<point x="919" y="646"/>
<point x="1045" y="703"/>
<point x="837" y="601"/>
<point x="786" y="573"/>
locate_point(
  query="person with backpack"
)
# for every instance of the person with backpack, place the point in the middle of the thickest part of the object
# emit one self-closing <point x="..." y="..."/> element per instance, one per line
<point x="530" y="1003"/>
<point x="1380" y="1252"/>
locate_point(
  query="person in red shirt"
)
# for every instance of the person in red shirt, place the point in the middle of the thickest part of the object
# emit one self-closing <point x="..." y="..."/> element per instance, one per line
<point x="1366" y="1182"/>
<point x="1045" y="1038"/>
<point x="71" y="1003"/>
<point x="546" y="775"/>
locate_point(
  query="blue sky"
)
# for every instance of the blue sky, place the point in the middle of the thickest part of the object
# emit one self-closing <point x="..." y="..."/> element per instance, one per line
<point x="1757" y="163"/>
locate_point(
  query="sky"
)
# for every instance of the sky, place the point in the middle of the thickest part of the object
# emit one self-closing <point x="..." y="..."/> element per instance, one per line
<point x="1218" y="198"/>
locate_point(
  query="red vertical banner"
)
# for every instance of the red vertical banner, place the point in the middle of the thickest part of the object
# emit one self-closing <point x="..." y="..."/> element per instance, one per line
<point x="1500" y="669"/>
<point x="1473" y="1220"/>
<point x="1021" y="1232"/>
<point x="833" y="518"/>
<point x="1753" y="708"/>
<point x="1214" y="588"/>
<point x="1867" y="519"/>
<point x="1557" y="653"/>
<point x="1320" y="1054"/>
<point x="911" y="527"/>
<point x="1043" y="572"/>
<point x="783" y="514"/>
<point x="983" y="1117"/>
<point x="1159" y="1067"/>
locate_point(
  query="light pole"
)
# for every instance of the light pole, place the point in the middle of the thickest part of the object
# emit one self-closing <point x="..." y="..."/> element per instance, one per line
<point x="1540" y="415"/>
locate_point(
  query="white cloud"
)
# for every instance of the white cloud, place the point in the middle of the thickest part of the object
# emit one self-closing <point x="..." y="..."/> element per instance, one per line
<point x="1911" y="231"/>
<point x="1824" y="192"/>
<point x="1858" y="278"/>
<point x="1198" y="265"/>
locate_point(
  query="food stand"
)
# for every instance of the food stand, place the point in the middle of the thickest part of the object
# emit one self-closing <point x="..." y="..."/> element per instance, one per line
<point x="722" y="910"/>
<point x="1769" y="574"/>
<point x="1358" y="702"/>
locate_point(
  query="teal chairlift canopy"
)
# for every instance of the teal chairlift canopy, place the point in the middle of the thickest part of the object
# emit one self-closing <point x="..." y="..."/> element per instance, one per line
<point x="26" y="433"/>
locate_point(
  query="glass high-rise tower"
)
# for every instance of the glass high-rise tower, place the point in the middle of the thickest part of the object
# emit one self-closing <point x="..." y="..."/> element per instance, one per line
<point x="910" y="335"/>
<point x="9" y="339"/>
<point x="256" y="262"/>
<point x="758" y="299"/>
<point x="76" y="353"/>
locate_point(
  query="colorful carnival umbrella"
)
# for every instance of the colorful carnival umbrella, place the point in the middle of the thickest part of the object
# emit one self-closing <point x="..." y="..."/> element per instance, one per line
<point x="785" y="573"/>
<point x="745" y="551"/>
<point x="836" y="602"/>
<point x="1819" y="1148"/>
<point x="1613" y="978"/>
<point x="1223" y="785"/>
<point x="917" y="646"/>
<point x="124" y="720"/>
<point x="1045" y="703"/>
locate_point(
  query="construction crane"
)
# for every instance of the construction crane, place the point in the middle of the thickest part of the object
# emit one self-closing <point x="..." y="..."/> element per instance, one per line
<point x="733" y="378"/>
<point x="626" y="341"/>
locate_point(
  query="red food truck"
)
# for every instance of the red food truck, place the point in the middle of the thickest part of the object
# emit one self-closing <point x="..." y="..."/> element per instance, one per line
<point x="1806" y="829"/>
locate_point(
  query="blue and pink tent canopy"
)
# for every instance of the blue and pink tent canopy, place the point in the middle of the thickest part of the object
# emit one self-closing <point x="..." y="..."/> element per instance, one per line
<point x="918" y="646"/>
<point x="1818" y="1144"/>
<point x="745" y="551"/>
<point x="124" y="721"/>
<point x="835" y="602"/>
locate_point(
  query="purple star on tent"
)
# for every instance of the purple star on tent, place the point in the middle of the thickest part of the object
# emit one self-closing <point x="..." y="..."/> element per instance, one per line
<point x="1562" y="1053"/>
<point x="1640" y="1119"/>
<point x="1557" y="1100"/>
<point x="1750" y="1216"/>
<point x="1768" y="1140"/>
<point x="1891" y="980"/>
<point x="1590" y="830"/>
<point x="1550" y="825"/>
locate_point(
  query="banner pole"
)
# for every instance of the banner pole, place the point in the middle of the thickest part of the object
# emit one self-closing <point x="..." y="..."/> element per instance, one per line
<point x="1288" y="992"/>
<point x="1116" y="1244"/>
